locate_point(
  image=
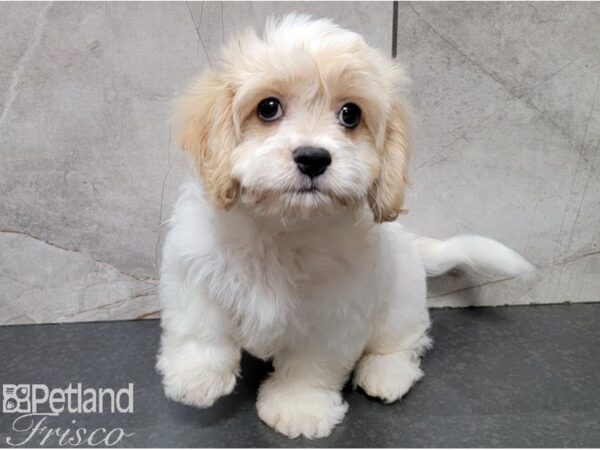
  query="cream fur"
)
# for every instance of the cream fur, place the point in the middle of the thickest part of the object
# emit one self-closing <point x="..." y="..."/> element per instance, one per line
<point x="310" y="280"/>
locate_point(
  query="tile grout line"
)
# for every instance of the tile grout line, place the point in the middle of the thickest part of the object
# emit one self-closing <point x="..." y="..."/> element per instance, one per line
<point x="394" y="28"/>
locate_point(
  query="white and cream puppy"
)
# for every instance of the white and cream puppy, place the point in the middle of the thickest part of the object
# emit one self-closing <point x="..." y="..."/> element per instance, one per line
<point x="286" y="244"/>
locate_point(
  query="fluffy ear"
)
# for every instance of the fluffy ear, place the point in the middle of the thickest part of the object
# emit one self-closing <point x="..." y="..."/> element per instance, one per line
<point x="387" y="193"/>
<point x="207" y="132"/>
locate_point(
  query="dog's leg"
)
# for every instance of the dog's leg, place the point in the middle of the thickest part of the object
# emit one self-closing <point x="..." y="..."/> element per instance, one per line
<point x="198" y="359"/>
<point x="389" y="376"/>
<point x="303" y="395"/>
<point x="390" y="364"/>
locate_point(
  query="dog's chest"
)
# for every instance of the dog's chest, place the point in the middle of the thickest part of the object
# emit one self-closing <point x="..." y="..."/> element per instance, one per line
<point x="285" y="286"/>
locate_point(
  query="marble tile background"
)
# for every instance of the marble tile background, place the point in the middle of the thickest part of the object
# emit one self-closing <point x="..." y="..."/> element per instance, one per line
<point x="507" y="134"/>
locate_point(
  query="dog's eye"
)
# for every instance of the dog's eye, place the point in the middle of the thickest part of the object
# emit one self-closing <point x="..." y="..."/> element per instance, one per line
<point x="269" y="109"/>
<point x="349" y="115"/>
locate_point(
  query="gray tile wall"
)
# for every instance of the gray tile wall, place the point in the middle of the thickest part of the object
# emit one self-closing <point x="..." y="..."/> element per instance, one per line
<point x="507" y="133"/>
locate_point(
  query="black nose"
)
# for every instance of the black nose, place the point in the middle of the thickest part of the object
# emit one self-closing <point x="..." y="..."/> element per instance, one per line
<point x="312" y="161"/>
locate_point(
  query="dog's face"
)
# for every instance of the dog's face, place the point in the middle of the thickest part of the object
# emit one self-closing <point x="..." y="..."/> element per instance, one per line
<point x="299" y="123"/>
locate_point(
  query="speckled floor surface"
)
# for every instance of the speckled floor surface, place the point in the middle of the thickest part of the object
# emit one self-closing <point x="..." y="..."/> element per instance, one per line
<point x="496" y="377"/>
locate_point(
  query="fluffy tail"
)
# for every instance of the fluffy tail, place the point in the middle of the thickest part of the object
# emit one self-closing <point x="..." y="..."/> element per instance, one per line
<point x="479" y="253"/>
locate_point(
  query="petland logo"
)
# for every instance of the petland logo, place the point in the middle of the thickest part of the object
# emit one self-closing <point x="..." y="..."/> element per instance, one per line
<point x="37" y="404"/>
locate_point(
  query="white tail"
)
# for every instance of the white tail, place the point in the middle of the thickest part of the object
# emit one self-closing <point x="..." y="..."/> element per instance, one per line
<point x="479" y="253"/>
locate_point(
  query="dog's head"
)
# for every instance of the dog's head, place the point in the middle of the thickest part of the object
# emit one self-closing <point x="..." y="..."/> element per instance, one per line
<point x="301" y="122"/>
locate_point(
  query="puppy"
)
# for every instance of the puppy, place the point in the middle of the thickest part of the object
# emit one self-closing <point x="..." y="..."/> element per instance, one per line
<point x="286" y="244"/>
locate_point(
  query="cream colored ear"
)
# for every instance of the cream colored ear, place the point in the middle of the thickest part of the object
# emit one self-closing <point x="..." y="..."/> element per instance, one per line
<point x="387" y="193"/>
<point x="207" y="132"/>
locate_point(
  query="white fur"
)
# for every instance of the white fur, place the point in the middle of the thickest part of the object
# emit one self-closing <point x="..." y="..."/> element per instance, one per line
<point x="475" y="252"/>
<point x="319" y="297"/>
<point x="314" y="296"/>
<point x="308" y="280"/>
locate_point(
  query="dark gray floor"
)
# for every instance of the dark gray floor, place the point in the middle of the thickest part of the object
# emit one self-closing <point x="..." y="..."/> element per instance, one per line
<point x="516" y="377"/>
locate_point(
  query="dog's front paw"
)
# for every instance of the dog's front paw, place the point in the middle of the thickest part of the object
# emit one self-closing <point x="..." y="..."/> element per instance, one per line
<point x="295" y="410"/>
<point x="193" y="378"/>
<point x="201" y="389"/>
<point x="388" y="376"/>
